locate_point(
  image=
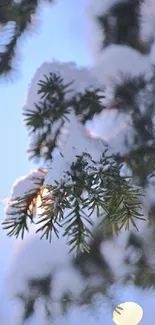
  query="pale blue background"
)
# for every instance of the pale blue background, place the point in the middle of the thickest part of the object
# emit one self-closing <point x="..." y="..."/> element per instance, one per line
<point x="62" y="35"/>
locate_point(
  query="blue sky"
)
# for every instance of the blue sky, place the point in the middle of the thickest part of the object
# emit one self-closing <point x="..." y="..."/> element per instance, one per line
<point x="61" y="35"/>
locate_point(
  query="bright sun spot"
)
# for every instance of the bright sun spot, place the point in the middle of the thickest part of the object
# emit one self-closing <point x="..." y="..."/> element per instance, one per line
<point x="43" y="193"/>
<point x="128" y="313"/>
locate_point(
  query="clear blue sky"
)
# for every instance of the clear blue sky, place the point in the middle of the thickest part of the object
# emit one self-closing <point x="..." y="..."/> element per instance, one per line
<point x="61" y="35"/>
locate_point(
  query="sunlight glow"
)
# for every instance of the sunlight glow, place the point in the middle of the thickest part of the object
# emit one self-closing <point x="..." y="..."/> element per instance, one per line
<point x="42" y="194"/>
<point x="128" y="313"/>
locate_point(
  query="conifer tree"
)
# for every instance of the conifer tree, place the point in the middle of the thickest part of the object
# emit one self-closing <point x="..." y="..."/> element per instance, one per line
<point x="15" y="18"/>
<point x="92" y="131"/>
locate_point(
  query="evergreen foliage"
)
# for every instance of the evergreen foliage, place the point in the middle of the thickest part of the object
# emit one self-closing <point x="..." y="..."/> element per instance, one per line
<point x="93" y="187"/>
<point x="107" y="192"/>
<point x="121" y="26"/>
<point x="20" y="13"/>
<point x="54" y="107"/>
<point x="119" y="200"/>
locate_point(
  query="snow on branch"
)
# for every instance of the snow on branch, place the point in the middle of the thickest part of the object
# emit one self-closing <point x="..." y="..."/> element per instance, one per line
<point x="118" y="22"/>
<point x="87" y="188"/>
<point x="22" y="202"/>
<point x="56" y="89"/>
<point x="147" y="20"/>
<point x="22" y="15"/>
<point x="79" y="79"/>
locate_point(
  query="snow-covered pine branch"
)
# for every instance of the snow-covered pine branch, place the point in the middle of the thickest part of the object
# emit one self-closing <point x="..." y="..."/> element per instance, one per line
<point x="50" y="97"/>
<point x="22" y="204"/>
<point x="126" y="22"/>
<point x="121" y="113"/>
<point x="71" y="144"/>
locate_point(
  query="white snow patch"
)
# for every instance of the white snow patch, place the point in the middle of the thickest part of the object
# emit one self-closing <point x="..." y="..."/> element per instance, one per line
<point x="117" y="61"/>
<point x="113" y="127"/>
<point x="147" y="20"/>
<point x="95" y="33"/>
<point x="22" y="186"/>
<point x="75" y="143"/>
<point x="69" y="72"/>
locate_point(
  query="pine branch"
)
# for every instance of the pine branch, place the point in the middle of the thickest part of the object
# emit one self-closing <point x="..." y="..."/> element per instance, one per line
<point x="45" y="122"/>
<point x="145" y="279"/>
<point x="52" y="108"/>
<point x="129" y="95"/>
<point x="23" y="209"/>
<point x="126" y="91"/>
<point x="21" y="14"/>
<point x="121" y="25"/>
<point x="87" y="104"/>
<point x="136" y="97"/>
<point x="141" y="162"/>
<point x="96" y="187"/>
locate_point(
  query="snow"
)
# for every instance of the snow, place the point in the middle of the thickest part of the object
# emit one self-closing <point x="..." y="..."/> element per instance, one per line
<point x="113" y="127"/>
<point x="94" y="9"/>
<point x="17" y="1"/>
<point x="130" y="63"/>
<point x="147" y="15"/>
<point x="35" y="258"/>
<point x="81" y="78"/>
<point x="30" y="260"/>
<point x="7" y="33"/>
<point x="26" y="183"/>
<point x="116" y="245"/>
<point x="75" y="143"/>
<point x="149" y="194"/>
<point x="50" y="136"/>
<point x="22" y="186"/>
